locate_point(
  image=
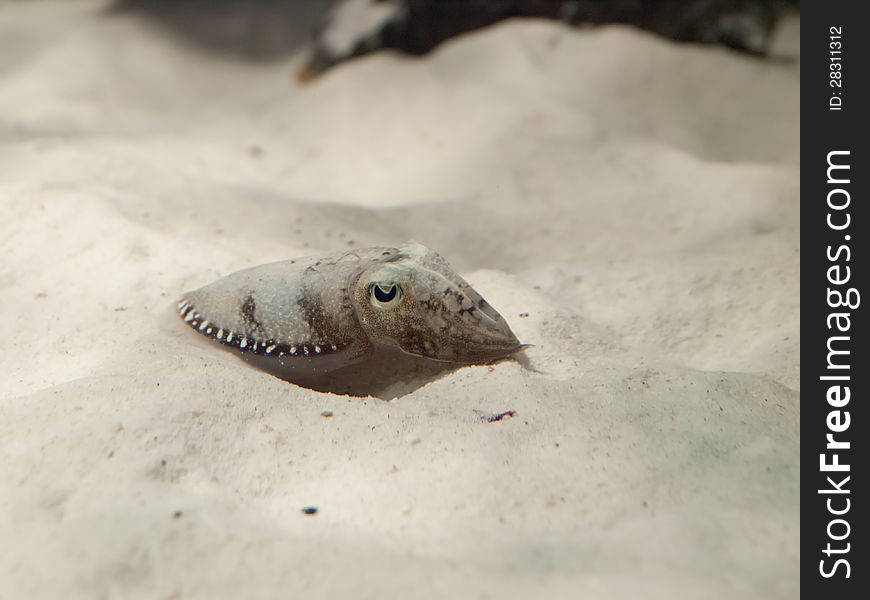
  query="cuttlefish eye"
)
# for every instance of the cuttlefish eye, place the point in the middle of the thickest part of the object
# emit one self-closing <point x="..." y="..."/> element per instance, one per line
<point x="386" y="294"/>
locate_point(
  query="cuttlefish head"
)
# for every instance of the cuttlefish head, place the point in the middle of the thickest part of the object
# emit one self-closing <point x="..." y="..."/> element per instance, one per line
<point x="409" y="298"/>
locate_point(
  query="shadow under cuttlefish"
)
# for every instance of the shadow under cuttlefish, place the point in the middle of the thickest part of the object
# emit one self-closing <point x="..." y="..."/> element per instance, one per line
<point x="385" y="374"/>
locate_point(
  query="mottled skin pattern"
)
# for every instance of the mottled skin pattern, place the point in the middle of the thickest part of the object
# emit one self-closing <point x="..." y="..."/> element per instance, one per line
<point x="322" y="314"/>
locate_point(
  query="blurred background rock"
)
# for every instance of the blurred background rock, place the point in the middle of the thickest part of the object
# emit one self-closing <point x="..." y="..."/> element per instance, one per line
<point x="341" y="29"/>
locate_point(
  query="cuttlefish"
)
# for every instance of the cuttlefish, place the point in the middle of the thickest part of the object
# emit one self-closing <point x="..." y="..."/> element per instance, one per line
<point x="310" y="316"/>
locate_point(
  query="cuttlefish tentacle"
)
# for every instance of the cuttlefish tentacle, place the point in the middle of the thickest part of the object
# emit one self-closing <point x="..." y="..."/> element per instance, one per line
<point x="347" y="306"/>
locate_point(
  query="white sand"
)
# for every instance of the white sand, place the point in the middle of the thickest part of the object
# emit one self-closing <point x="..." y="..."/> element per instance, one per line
<point x="638" y="198"/>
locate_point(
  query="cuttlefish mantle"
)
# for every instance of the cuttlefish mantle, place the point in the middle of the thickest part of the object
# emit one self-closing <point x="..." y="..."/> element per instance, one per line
<point x="311" y="316"/>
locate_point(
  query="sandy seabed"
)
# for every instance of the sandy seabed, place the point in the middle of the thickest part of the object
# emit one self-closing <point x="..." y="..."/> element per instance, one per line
<point x="635" y="198"/>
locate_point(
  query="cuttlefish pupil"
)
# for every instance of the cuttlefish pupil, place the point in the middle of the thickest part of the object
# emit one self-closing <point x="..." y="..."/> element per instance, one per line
<point x="386" y="294"/>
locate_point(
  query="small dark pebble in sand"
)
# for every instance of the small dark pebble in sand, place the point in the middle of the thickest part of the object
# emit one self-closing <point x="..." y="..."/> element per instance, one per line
<point x="327" y="414"/>
<point x="309" y="510"/>
<point x="177" y="514"/>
